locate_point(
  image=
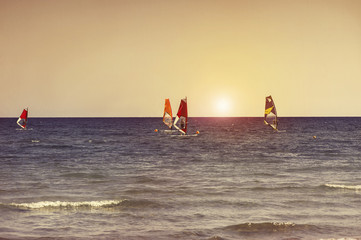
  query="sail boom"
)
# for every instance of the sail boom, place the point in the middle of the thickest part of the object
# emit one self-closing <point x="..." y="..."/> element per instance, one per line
<point x="18" y="122"/>
<point x="175" y="125"/>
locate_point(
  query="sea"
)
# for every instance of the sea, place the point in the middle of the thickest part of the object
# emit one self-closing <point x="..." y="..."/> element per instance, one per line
<point x="119" y="178"/>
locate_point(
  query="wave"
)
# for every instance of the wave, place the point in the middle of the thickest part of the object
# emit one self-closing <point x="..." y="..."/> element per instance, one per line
<point x="61" y="204"/>
<point x="342" y="238"/>
<point x="251" y="227"/>
<point x="351" y="187"/>
<point x="83" y="175"/>
<point x="285" y="230"/>
<point x="270" y="227"/>
<point x="108" y="204"/>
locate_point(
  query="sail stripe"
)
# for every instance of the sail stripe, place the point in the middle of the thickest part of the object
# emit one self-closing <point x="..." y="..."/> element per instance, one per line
<point x="268" y="110"/>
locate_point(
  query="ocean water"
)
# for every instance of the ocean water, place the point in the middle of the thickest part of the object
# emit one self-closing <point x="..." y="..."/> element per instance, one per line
<point x="115" y="178"/>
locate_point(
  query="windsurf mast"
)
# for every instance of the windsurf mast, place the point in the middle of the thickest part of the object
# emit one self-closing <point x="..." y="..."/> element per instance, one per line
<point x="182" y="116"/>
<point x="270" y="113"/>
<point x="167" y="115"/>
<point x="23" y="119"/>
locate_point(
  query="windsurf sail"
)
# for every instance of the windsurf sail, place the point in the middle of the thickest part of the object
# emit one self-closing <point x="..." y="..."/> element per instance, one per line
<point x="23" y="119"/>
<point x="270" y="113"/>
<point x="167" y="115"/>
<point x="182" y="117"/>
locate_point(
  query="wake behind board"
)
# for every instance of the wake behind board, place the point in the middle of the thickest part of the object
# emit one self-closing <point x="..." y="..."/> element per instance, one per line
<point x="185" y="135"/>
<point x="23" y="129"/>
<point x="170" y="131"/>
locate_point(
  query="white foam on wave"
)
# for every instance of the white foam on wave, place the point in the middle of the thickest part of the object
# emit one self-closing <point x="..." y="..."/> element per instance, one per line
<point x="288" y="224"/>
<point x="352" y="187"/>
<point x="60" y="204"/>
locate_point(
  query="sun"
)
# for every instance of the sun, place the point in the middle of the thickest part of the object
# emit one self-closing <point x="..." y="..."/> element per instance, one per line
<point x="223" y="106"/>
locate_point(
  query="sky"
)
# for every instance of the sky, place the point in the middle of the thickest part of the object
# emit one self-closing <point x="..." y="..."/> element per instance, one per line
<point x="122" y="58"/>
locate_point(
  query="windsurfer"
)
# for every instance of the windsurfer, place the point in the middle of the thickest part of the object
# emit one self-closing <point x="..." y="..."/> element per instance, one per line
<point x="275" y="122"/>
<point x="270" y="114"/>
<point x="183" y="123"/>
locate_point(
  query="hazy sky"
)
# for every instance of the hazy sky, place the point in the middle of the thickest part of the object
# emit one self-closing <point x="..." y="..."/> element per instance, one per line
<point x="119" y="58"/>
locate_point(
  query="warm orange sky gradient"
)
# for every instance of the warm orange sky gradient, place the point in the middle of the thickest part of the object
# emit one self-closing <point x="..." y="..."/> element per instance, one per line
<point x="121" y="58"/>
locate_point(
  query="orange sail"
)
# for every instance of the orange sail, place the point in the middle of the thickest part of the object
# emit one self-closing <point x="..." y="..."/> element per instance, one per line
<point x="167" y="115"/>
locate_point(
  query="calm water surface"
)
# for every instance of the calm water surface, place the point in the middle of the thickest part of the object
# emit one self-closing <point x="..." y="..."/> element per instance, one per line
<point x="115" y="178"/>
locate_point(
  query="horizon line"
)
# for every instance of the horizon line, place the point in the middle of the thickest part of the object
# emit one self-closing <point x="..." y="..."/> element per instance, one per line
<point x="189" y="117"/>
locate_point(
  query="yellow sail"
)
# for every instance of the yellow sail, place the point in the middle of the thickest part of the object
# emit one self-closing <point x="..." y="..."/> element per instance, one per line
<point x="268" y="110"/>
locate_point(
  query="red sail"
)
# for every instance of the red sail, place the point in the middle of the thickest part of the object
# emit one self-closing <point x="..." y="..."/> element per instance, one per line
<point x="23" y="119"/>
<point x="24" y="115"/>
<point x="183" y="115"/>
